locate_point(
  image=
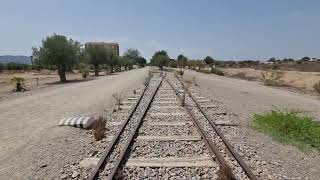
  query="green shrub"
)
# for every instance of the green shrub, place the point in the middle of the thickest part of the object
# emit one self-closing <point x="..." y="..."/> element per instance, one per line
<point x="2" y="67"/>
<point x="289" y="127"/>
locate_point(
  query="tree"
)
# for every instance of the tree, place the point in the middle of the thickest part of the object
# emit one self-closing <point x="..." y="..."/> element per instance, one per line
<point x="2" y="67"/>
<point x="133" y="54"/>
<point x="305" y="59"/>
<point x="58" y="50"/>
<point x="182" y="60"/>
<point x="142" y="61"/>
<point x="160" y="59"/>
<point x="208" y="60"/>
<point x="98" y="55"/>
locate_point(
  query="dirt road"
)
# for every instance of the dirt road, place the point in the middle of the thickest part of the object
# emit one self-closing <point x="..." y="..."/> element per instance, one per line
<point x="32" y="146"/>
<point x="245" y="98"/>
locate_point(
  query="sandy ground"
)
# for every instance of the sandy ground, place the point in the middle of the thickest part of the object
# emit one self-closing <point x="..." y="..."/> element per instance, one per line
<point x="32" y="145"/>
<point x="45" y="78"/>
<point x="244" y="98"/>
<point x="296" y="79"/>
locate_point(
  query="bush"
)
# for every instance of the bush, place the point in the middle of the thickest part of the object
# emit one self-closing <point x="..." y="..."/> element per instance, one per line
<point x="2" y="67"/>
<point x="217" y="71"/>
<point x="316" y="87"/>
<point x="99" y="129"/>
<point x="289" y="127"/>
<point x="84" y="70"/>
<point x="19" y="84"/>
<point x="272" y="78"/>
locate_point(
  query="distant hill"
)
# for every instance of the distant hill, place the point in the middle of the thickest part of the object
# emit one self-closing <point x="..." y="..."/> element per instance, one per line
<point x="15" y="59"/>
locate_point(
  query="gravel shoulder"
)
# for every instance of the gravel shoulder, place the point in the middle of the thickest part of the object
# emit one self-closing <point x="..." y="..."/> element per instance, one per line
<point x="32" y="146"/>
<point x="243" y="98"/>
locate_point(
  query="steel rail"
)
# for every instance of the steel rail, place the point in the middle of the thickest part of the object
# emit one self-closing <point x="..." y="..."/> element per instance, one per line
<point x="95" y="172"/>
<point x="213" y="150"/>
<point x="224" y="140"/>
<point x="125" y="148"/>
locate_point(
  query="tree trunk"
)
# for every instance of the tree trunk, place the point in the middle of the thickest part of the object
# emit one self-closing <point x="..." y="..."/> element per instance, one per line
<point x="96" y="70"/>
<point x="111" y="67"/>
<point x="62" y="73"/>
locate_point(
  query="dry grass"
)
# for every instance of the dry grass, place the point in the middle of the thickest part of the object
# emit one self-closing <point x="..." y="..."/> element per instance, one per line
<point x="316" y="87"/>
<point x="225" y="173"/>
<point x="295" y="79"/>
<point x="119" y="99"/>
<point x="272" y="78"/>
<point x="99" y="129"/>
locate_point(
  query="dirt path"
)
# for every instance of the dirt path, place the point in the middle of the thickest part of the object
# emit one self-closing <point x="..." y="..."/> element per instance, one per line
<point x="245" y="98"/>
<point x="32" y="146"/>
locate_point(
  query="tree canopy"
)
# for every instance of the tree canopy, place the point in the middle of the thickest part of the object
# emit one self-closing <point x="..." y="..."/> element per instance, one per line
<point x="59" y="51"/>
<point x="160" y="59"/>
<point x="208" y="60"/>
<point x="182" y="60"/>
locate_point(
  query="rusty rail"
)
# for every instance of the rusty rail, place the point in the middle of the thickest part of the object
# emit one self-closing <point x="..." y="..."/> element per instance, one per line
<point x="94" y="174"/>
<point x="224" y="140"/>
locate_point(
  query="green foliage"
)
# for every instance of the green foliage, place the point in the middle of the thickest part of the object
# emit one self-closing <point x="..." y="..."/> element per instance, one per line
<point x="160" y="59"/>
<point x="182" y="60"/>
<point x="289" y="127"/>
<point x="132" y="54"/>
<point x="98" y="55"/>
<point x="208" y="60"/>
<point x="316" y="87"/>
<point x="272" y="78"/>
<point x="2" y="67"/>
<point x="142" y="61"/>
<point x="59" y="51"/>
<point x="84" y="70"/>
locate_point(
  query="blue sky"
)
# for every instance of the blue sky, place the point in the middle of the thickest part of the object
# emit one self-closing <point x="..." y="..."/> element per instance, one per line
<point x="223" y="29"/>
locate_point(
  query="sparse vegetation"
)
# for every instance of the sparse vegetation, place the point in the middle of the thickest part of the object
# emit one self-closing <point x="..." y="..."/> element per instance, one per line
<point x="316" y="87"/>
<point x="194" y="80"/>
<point x="84" y="70"/>
<point x="180" y="72"/>
<point x="289" y="127"/>
<point x="99" y="129"/>
<point x="19" y="84"/>
<point x="217" y="71"/>
<point x="272" y="78"/>
<point x="225" y="173"/>
<point x="119" y="99"/>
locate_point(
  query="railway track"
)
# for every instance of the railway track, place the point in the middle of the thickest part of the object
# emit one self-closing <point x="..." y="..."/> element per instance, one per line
<point x="168" y="135"/>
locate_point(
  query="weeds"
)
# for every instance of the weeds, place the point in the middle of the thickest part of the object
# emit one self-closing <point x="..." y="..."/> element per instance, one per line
<point x="194" y="81"/>
<point x="316" y="87"/>
<point x="225" y="173"/>
<point x="147" y="79"/>
<point x="19" y="84"/>
<point x="272" y="78"/>
<point x="180" y="72"/>
<point x="99" y="129"/>
<point x="289" y="127"/>
<point x="84" y="70"/>
<point x="119" y="99"/>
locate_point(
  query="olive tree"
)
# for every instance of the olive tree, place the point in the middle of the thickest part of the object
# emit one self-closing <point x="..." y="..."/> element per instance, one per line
<point x="98" y="55"/>
<point x="208" y="60"/>
<point x="59" y="51"/>
<point x="160" y="59"/>
<point x="182" y="61"/>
